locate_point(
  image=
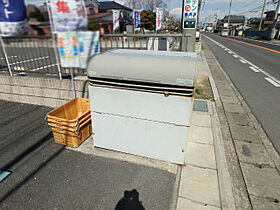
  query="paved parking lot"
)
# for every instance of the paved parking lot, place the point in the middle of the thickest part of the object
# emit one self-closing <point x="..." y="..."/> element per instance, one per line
<point x="46" y="175"/>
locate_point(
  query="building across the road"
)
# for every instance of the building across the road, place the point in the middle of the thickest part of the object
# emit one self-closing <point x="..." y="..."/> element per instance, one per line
<point x="103" y="15"/>
<point x="100" y="12"/>
<point x="268" y="21"/>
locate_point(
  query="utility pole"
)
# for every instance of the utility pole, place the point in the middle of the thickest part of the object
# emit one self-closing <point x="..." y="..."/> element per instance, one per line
<point x="260" y="26"/>
<point x="168" y="7"/>
<point x="275" y="20"/>
<point x="229" y="12"/>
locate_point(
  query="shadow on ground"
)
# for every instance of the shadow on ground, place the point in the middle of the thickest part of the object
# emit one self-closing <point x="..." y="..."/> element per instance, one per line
<point x="46" y="175"/>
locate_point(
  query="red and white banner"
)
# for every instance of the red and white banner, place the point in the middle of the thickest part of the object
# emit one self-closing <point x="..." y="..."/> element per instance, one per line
<point x="159" y="18"/>
<point x="116" y="19"/>
<point x="68" y="15"/>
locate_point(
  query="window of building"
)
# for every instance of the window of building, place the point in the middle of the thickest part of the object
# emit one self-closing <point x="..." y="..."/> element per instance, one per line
<point x="91" y="11"/>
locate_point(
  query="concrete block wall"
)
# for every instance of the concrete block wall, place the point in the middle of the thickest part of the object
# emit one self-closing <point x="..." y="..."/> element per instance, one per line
<point x="50" y="92"/>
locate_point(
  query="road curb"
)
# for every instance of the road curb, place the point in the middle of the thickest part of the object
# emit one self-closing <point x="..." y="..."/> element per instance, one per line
<point x="225" y="187"/>
<point x="234" y="192"/>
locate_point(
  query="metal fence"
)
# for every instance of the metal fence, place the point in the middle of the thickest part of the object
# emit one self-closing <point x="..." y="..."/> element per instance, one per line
<point x="28" y="55"/>
<point x="37" y="55"/>
<point x="165" y="42"/>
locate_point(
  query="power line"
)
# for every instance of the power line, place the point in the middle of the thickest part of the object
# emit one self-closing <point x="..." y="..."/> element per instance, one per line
<point x="245" y="5"/>
<point x="256" y="9"/>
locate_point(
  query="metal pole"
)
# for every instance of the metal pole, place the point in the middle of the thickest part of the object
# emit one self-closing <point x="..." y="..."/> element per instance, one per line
<point x="73" y="82"/>
<point x="182" y="17"/>
<point x="275" y="20"/>
<point x="260" y="26"/>
<point x="6" y="57"/>
<point x="54" y="39"/>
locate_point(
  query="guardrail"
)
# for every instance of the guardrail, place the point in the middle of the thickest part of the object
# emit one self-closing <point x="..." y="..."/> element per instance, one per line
<point x="262" y="34"/>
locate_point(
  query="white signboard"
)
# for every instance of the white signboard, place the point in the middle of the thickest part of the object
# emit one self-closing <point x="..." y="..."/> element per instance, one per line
<point x="68" y="49"/>
<point x="68" y="15"/>
<point x="88" y="46"/>
<point x="75" y="48"/>
<point x="159" y="18"/>
<point x="190" y="14"/>
<point x="116" y="19"/>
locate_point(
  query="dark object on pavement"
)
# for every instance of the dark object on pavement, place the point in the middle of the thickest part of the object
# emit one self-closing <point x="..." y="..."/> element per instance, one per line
<point x="130" y="201"/>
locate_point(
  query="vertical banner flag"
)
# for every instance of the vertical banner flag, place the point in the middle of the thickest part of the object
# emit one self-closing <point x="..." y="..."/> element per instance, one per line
<point x="68" y="15"/>
<point x="116" y="19"/>
<point x="190" y="14"/>
<point x="88" y="46"/>
<point x="13" y="18"/>
<point x="159" y="18"/>
<point x="68" y="49"/>
<point x="137" y="19"/>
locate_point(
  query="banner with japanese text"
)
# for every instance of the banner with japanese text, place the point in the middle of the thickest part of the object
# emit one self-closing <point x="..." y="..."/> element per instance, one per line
<point x="116" y="19"/>
<point x="88" y="43"/>
<point x="13" y="18"/>
<point x="190" y="14"/>
<point x="137" y="19"/>
<point x="159" y="18"/>
<point x="68" y="15"/>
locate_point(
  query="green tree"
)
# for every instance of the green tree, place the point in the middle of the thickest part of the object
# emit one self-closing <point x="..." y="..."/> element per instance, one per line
<point x="148" y="20"/>
<point x="93" y="25"/>
<point x="171" y="23"/>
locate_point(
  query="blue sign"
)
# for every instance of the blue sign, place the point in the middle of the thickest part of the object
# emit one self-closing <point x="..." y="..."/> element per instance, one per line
<point x="137" y="19"/>
<point x="13" y="18"/>
<point x="190" y="15"/>
<point x="12" y="11"/>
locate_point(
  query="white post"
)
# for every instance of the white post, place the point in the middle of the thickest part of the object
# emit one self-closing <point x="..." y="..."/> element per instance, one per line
<point x="6" y="57"/>
<point x="54" y="40"/>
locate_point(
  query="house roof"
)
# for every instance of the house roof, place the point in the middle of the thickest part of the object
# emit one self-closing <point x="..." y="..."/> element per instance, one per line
<point x="31" y="8"/>
<point x="235" y="19"/>
<point x="94" y="3"/>
<point x="106" y="5"/>
<point x="100" y="15"/>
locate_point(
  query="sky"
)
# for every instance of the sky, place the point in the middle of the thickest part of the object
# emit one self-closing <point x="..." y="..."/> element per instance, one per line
<point x="211" y="8"/>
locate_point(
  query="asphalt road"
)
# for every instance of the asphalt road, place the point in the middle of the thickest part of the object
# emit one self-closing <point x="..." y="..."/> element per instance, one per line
<point x="46" y="175"/>
<point x="254" y="68"/>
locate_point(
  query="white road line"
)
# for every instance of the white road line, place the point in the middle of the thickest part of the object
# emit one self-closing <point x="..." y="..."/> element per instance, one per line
<point x="235" y="56"/>
<point x="254" y="69"/>
<point x="242" y="61"/>
<point x="229" y="52"/>
<point x="32" y="59"/>
<point x="43" y="67"/>
<point x="251" y="64"/>
<point x="19" y="68"/>
<point x="272" y="82"/>
<point x="14" y="56"/>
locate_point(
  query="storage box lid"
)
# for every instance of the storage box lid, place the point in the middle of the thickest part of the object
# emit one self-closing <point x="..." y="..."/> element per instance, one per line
<point x="142" y="69"/>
